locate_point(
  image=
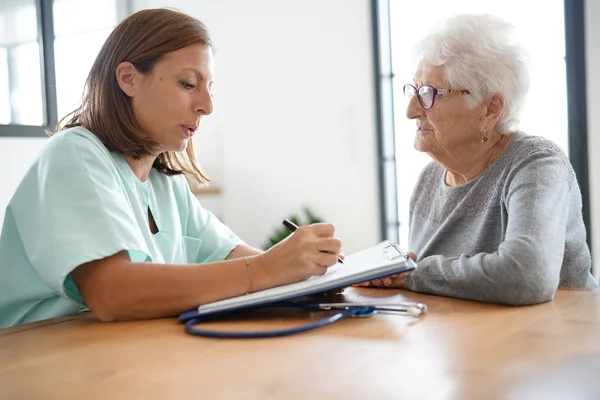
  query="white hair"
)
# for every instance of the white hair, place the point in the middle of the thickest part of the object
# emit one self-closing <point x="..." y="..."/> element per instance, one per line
<point x="478" y="53"/>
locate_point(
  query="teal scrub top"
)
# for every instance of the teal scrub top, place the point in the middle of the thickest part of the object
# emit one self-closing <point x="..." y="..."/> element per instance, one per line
<point x="80" y="202"/>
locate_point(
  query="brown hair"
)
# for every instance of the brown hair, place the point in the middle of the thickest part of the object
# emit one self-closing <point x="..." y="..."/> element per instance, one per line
<point x="143" y="39"/>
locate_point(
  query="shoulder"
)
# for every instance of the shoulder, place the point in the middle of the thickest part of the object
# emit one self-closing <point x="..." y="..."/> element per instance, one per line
<point x="528" y="151"/>
<point x="530" y="159"/>
<point x="73" y="145"/>
<point x="70" y="158"/>
<point x="524" y="144"/>
<point x="76" y="136"/>
<point x="527" y="148"/>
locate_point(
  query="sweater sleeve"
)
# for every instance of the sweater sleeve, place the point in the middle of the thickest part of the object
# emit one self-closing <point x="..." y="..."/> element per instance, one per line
<point x="525" y="269"/>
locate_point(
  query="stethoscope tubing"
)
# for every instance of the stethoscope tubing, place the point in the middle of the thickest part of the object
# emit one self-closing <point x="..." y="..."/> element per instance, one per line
<point x="345" y="310"/>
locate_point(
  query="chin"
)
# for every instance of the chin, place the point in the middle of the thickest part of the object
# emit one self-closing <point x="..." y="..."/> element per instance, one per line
<point x="179" y="147"/>
<point x="421" y="145"/>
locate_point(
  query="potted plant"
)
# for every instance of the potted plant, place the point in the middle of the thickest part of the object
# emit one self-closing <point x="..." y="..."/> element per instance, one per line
<point x="283" y="232"/>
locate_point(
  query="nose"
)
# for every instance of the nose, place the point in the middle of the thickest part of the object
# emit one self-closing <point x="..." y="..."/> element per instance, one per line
<point x="414" y="109"/>
<point x="204" y="102"/>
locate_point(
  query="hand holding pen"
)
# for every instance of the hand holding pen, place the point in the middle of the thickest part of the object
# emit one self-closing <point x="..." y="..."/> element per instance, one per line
<point x="292" y="227"/>
<point x="309" y="251"/>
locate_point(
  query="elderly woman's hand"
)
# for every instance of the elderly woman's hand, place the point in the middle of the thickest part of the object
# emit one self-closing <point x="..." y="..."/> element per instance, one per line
<point x="392" y="281"/>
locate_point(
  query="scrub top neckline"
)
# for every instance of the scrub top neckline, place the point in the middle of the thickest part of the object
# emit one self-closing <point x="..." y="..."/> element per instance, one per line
<point x="124" y="166"/>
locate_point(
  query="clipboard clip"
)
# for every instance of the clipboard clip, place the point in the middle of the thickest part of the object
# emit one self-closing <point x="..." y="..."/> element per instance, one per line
<point x="393" y="251"/>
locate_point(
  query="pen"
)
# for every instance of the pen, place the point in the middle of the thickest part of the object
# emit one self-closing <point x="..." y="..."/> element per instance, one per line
<point x="292" y="227"/>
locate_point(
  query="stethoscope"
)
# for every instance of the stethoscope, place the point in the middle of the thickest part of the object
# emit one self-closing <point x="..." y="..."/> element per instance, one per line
<point x="357" y="310"/>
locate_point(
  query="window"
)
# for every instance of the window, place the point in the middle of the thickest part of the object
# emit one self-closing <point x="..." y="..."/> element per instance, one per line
<point x="47" y="48"/>
<point x="5" y="107"/>
<point x="82" y="38"/>
<point x="544" y="38"/>
<point x="20" y="64"/>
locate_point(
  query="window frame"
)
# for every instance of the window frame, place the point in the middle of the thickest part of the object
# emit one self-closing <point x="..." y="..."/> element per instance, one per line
<point x="577" y="103"/>
<point x="384" y="103"/>
<point x="45" y="23"/>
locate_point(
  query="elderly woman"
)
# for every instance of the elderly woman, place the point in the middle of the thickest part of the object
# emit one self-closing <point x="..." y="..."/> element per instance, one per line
<point x="496" y="216"/>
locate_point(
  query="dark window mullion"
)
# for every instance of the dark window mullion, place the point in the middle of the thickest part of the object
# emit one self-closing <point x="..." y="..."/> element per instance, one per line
<point x="384" y="98"/>
<point x="21" y="131"/>
<point x="576" y="101"/>
<point x="46" y="40"/>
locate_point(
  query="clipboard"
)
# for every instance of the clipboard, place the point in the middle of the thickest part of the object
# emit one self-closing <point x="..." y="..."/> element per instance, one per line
<point x="383" y="259"/>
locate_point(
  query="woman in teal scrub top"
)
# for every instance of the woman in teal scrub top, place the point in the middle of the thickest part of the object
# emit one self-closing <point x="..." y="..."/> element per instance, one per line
<point x="104" y="218"/>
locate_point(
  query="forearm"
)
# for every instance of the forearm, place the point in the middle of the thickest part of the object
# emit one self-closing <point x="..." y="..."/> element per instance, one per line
<point x="149" y="290"/>
<point x="115" y="288"/>
<point x="494" y="278"/>
<point x="243" y="251"/>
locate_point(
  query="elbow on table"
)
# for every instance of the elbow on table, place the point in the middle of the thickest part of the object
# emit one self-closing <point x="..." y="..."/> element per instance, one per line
<point x="530" y="291"/>
<point x="104" y="310"/>
<point x="531" y="298"/>
<point x="104" y="299"/>
<point x="104" y="316"/>
<point x="101" y="288"/>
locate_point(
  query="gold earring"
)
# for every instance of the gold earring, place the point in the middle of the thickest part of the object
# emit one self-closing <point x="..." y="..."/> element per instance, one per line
<point x="483" y="135"/>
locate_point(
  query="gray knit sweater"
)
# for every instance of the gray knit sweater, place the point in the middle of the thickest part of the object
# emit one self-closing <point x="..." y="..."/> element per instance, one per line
<point x="512" y="235"/>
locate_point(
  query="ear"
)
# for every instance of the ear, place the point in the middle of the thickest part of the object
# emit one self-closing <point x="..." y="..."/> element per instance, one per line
<point x="128" y="78"/>
<point x="493" y="109"/>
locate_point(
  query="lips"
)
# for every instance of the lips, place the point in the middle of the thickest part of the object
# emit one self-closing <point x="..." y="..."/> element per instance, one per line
<point x="189" y="130"/>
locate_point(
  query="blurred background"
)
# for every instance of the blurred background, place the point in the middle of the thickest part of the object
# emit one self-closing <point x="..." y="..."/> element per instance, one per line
<point x="308" y="106"/>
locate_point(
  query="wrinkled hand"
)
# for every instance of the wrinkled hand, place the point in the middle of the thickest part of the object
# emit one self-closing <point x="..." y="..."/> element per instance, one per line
<point x="392" y="281"/>
<point x="309" y="251"/>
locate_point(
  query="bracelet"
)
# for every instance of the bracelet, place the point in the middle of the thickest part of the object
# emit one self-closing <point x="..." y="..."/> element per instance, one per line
<point x="250" y="288"/>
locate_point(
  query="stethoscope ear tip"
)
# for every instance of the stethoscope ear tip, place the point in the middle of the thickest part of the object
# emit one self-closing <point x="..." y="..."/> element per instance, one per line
<point x="417" y="310"/>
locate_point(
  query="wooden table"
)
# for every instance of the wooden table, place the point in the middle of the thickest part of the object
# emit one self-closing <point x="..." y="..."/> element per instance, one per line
<point x="460" y="350"/>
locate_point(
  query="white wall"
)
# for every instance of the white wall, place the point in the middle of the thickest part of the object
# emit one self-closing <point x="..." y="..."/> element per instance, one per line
<point x="294" y="124"/>
<point x="592" y="49"/>
<point x="294" y="120"/>
<point x="16" y="155"/>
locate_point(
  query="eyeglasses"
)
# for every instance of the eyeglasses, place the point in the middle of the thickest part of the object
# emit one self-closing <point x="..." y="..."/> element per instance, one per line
<point x="426" y="94"/>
